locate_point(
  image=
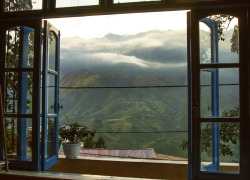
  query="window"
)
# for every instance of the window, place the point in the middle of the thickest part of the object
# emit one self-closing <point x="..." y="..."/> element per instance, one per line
<point x="72" y="3"/>
<point x="129" y="1"/>
<point x="26" y="5"/>
<point x="218" y="101"/>
<point x="127" y="80"/>
<point x="218" y="78"/>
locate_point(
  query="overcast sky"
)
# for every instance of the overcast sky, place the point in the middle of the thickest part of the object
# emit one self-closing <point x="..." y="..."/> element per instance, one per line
<point x="129" y="24"/>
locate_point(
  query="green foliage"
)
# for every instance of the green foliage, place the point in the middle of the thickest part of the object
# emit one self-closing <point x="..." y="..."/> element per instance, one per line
<point x="235" y="40"/>
<point x="229" y="134"/>
<point x="18" y="5"/>
<point x="223" y="24"/>
<point x="51" y="129"/>
<point x="75" y="132"/>
<point x="90" y="143"/>
<point x="11" y="138"/>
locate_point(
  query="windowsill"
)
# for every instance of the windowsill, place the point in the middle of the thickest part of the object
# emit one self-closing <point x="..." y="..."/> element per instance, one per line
<point x="126" y="160"/>
<point x="47" y="175"/>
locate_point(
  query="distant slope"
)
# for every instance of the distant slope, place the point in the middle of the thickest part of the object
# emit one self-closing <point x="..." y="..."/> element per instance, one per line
<point x="130" y="117"/>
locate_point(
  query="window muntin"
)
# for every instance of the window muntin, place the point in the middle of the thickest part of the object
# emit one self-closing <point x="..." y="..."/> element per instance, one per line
<point x="76" y="3"/>
<point x="25" y="5"/>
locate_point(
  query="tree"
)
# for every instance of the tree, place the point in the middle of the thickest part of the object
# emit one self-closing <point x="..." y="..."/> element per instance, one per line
<point x="18" y="5"/>
<point x="224" y="22"/>
<point x="229" y="134"/>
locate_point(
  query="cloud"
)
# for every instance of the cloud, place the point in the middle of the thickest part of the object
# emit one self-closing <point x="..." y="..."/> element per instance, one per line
<point x="153" y="49"/>
<point x="112" y="58"/>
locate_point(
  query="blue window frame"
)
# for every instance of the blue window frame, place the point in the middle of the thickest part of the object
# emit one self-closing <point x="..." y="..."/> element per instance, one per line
<point x="215" y="165"/>
<point x="21" y="76"/>
<point x="50" y="105"/>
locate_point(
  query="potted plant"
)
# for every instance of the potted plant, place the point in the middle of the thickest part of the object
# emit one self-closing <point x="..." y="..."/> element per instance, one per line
<point x="72" y="135"/>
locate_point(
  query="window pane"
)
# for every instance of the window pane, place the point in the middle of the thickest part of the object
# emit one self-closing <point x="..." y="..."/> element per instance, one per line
<point x="229" y="91"/>
<point x="51" y="94"/>
<point x="221" y="138"/>
<point x="226" y="48"/>
<point x="206" y="93"/>
<point x="18" y="92"/>
<point x="51" y="137"/>
<point x="72" y="3"/>
<point x="19" y="138"/>
<point x="19" y="48"/>
<point x="229" y="147"/>
<point x="52" y="40"/>
<point x="219" y="95"/>
<point x="25" y="5"/>
<point x="206" y="145"/>
<point x="129" y="1"/>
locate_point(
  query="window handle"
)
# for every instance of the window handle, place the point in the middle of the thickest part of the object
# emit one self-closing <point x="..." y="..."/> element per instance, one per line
<point x="60" y="107"/>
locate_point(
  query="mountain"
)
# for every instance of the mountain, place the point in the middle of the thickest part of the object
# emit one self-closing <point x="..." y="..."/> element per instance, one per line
<point x="133" y="89"/>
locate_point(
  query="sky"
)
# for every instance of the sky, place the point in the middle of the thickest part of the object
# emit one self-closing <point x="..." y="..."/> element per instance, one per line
<point x="122" y="24"/>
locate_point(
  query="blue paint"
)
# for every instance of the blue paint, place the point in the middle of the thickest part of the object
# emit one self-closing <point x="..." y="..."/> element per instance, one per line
<point x="22" y="92"/>
<point x="215" y="166"/>
<point x="47" y="162"/>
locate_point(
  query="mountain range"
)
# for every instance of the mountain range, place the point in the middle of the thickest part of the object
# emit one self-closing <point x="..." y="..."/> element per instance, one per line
<point x="132" y="89"/>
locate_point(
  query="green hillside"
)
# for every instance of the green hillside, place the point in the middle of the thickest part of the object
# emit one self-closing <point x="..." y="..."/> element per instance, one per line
<point x="114" y="89"/>
<point x="137" y="117"/>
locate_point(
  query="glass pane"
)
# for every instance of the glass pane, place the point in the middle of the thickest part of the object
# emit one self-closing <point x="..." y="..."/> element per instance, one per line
<point x="226" y="48"/>
<point x="11" y="137"/>
<point x="28" y="138"/>
<point x="229" y="147"/>
<point x="51" y="137"/>
<point x="52" y="40"/>
<point x="19" y="48"/>
<point x="18" y="92"/>
<point x="206" y="145"/>
<point x="19" y="138"/>
<point x="51" y="94"/>
<point x="225" y="143"/>
<point x="25" y="5"/>
<point x="227" y="92"/>
<point x="72" y="3"/>
<point x="129" y="1"/>
<point x="206" y="93"/>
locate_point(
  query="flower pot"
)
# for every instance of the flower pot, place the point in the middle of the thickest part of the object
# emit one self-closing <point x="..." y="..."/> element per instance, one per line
<point x="71" y="151"/>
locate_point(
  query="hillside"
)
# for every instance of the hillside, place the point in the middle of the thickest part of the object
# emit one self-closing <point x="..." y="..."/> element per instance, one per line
<point x="116" y="80"/>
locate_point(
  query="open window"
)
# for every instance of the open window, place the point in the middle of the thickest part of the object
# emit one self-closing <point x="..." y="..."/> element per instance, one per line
<point x="217" y="96"/>
<point x="23" y="81"/>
